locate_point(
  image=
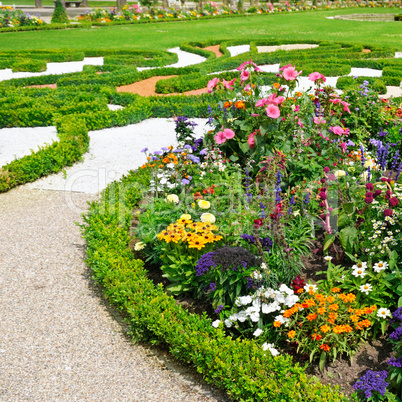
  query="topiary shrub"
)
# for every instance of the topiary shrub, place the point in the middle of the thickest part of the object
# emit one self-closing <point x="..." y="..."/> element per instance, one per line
<point x="60" y="14"/>
<point x="398" y="17"/>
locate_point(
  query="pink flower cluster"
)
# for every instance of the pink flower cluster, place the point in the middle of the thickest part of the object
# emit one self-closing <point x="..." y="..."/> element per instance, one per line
<point x="317" y="77"/>
<point x="222" y="136"/>
<point x="271" y="104"/>
<point x="215" y="81"/>
<point x="289" y="73"/>
<point x="244" y="67"/>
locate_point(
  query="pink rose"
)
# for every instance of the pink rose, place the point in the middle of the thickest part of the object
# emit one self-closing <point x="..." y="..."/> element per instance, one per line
<point x="273" y="111"/>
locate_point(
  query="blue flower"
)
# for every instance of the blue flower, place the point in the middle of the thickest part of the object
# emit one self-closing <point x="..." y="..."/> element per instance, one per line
<point x="144" y="150"/>
<point x="185" y="181"/>
<point x="372" y="381"/>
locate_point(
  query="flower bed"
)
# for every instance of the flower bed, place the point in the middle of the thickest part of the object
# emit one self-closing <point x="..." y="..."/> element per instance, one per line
<point x="232" y="215"/>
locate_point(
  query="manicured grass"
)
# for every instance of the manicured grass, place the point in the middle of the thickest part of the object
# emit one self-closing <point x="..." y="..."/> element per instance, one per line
<point x="51" y="3"/>
<point x="160" y="36"/>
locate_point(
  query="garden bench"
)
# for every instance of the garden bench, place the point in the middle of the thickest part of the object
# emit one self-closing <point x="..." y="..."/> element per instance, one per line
<point x="69" y="4"/>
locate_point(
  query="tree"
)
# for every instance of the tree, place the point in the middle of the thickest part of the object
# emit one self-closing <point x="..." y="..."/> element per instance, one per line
<point x="120" y="4"/>
<point x="38" y="3"/>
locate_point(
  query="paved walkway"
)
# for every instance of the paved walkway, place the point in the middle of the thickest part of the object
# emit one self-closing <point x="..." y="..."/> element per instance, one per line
<point x="59" y="339"/>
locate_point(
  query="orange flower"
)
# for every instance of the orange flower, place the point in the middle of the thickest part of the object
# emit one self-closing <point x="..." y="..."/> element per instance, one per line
<point x="330" y="299"/>
<point x="325" y="347"/>
<point x="291" y="334"/>
<point x="321" y="310"/>
<point x="308" y="303"/>
<point x="277" y="324"/>
<point x="316" y="337"/>
<point x="354" y="318"/>
<point x="240" y="105"/>
<point x="363" y="324"/>
<point x="335" y="290"/>
<point x="301" y="290"/>
<point x="227" y="105"/>
<point x="320" y="297"/>
<point x="325" y="328"/>
<point x="311" y="317"/>
<point x="333" y="307"/>
<point x="277" y="86"/>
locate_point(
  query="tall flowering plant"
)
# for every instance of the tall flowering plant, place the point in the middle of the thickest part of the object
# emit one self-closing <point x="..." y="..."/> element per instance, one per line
<point x="326" y="325"/>
<point x="252" y="122"/>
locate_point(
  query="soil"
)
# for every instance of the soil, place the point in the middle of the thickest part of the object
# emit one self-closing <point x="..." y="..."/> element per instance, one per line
<point x="215" y="49"/>
<point x="147" y="87"/>
<point x="52" y="86"/>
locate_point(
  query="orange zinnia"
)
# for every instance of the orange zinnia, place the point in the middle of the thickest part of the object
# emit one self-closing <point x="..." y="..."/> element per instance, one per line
<point x="335" y="290"/>
<point x="311" y="317"/>
<point x="316" y="337"/>
<point x="277" y="324"/>
<point x="325" y="328"/>
<point x="330" y="299"/>
<point x="291" y="334"/>
<point x="325" y="347"/>
<point x="321" y="310"/>
<point x="334" y="307"/>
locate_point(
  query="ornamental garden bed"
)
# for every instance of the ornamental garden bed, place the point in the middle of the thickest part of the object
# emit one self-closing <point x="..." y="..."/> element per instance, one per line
<point x="235" y="217"/>
<point x="282" y="180"/>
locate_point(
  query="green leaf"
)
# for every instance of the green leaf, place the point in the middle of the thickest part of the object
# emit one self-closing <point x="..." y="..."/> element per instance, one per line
<point x="244" y="146"/>
<point x="175" y="289"/>
<point x="349" y="207"/>
<point x="348" y="237"/>
<point x="398" y="290"/>
<point x="400" y="302"/>
<point x="343" y="220"/>
<point x="329" y="239"/>
<point x="322" y="361"/>
<point x="234" y="158"/>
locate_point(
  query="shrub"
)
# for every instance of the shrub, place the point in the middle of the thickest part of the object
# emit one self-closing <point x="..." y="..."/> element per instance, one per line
<point x="59" y="14"/>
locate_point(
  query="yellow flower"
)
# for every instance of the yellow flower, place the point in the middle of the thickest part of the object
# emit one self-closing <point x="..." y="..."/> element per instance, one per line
<point x="207" y="217"/>
<point x="203" y="204"/>
<point x="172" y="198"/>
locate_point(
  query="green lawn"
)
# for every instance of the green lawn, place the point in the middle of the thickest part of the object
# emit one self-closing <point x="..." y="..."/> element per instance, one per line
<point x="161" y="36"/>
<point x="94" y="3"/>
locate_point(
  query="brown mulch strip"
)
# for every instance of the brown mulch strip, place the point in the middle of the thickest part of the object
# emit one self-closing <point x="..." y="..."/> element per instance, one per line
<point x="215" y="49"/>
<point x="53" y="86"/>
<point x="147" y="87"/>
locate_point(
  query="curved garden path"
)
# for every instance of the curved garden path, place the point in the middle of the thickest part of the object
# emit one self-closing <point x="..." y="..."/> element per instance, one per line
<point x="59" y="339"/>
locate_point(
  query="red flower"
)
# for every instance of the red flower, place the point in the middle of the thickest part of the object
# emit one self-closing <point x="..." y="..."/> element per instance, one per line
<point x="388" y="212"/>
<point x="393" y="202"/>
<point x="258" y="223"/>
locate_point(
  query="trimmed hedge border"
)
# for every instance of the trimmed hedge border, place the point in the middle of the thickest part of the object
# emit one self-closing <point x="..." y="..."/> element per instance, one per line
<point x="240" y="367"/>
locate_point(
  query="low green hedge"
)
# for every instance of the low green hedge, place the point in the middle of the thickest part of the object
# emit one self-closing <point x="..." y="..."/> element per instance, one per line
<point x="240" y="367"/>
<point x="398" y="17"/>
<point x="72" y="145"/>
<point x="377" y="84"/>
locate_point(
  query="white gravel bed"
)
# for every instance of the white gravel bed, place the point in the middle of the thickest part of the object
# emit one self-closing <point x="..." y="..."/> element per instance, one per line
<point x="236" y="50"/>
<point x="365" y="72"/>
<point x="59" y="339"/>
<point x="112" y="153"/>
<point x="392" y="92"/>
<point x="185" y="59"/>
<point x="295" y="46"/>
<point x="54" y="68"/>
<point x="20" y="141"/>
<point x="398" y="55"/>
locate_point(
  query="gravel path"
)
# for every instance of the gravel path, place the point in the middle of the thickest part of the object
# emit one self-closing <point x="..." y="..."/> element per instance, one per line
<point x="59" y="339"/>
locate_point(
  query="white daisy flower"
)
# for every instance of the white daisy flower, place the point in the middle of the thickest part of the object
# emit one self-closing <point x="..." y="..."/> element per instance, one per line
<point x="310" y="288"/>
<point x="383" y="313"/>
<point x="270" y="347"/>
<point x="380" y="266"/>
<point x="367" y="288"/>
<point x="359" y="273"/>
<point x="328" y="258"/>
